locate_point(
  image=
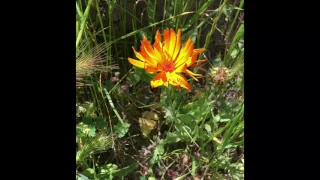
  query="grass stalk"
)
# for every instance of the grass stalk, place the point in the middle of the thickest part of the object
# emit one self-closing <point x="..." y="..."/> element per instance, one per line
<point x="83" y="22"/>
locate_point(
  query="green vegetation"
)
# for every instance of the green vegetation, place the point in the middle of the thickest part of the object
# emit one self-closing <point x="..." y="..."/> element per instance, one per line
<point x="128" y="130"/>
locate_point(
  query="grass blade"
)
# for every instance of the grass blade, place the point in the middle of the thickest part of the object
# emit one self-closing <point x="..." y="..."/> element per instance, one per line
<point x="83" y="22"/>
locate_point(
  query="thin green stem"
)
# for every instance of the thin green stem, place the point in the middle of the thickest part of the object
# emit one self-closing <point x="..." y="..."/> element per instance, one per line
<point x="83" y="22"/>
<point x="95" y="97"/>
<point x="234" y="121"/>
<point x="154" y="13"/>
<point x="79" y="10"/>
<point x="174" y="12"/>
<point x="102" y="28"/>
<point x="112" y="105"/>
<point x="164" y="13"/>
<point x="110" y="8"/>
<point x="151" y="25"/>
<point x="234" y="20"/>
<point x="214" y="25"/>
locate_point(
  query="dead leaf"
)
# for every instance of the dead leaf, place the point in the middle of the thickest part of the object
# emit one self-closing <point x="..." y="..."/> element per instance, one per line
<point x="150" y="115"/>
<point x="148" y="122"/>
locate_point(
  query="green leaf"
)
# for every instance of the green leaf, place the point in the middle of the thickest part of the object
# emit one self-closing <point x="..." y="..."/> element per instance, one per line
<point x="172" y="138"/>
<point x="127" y="170"/>
<point x="234" y="53"/>
<point x="197" y="116"/>
<point x="106" y="171"/>
<point x="186" y="118"/>
<point x="160" y="149"/>
<point x="108" y="84"/>
<point x="134" y="78"/>
<point x="82" y="129"/>
<point x="183" y="176"/>
<point x="238" y="65"/>
<point x="143" y="75"/>
<point x="82" y="177"/>
<point x="150" y="12"/>
<point x="88" y="121"/>
<point x="237" y="37"/>
<point x="225" y="110"/>
<point x="231" y="145"/>
<point x="90" y="110"/>
<point x="226" y="12"/>
<point x="148" y="33"/>
<point x="241" y="44"/>
<point x="157" y="153"/>
<point x="208" y="128"/>
<point x="242" y="85"/>
<point x="92" y="131"/>
<point x="194" y="167"/>
<point x="217" y="118"/>
<point x="217" y="61"/>
<point x="108" y="168"/>
<point x="224" y="120"/>
<point x="100" y="122"/>
<point x="196" y="16"/>
<point x="121" y="129"/>
<point x="232" y="7"/>
<point x="192" y="34"/>
<point x="227" y="135"/>
<point x="89" y="173"/>
<point x="168" y="114"/>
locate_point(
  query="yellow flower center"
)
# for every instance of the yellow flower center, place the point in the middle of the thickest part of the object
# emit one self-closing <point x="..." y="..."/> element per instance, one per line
<point x="168" y="66"/>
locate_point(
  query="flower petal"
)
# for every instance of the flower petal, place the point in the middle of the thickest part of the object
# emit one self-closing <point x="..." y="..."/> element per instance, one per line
<point x="172" y="43"/>
<point x="200" y="50"/>
<point x="166" y="84"/>
<point x="180" y="80"/>
<point x="153" y="56"/>
<point x="185" y="52"/>
<point x="157" y="42"/>
<point x="159" y="67"/>
<point x="150" y="69"/>
<point x="158" y="45"/>
<point x="138" y="55"/>
<point x="183" y="82"/>
<point x="158" y="80"/>
<point x="194" y="74"/>
<point x="178" y="44"/>
<point x="137" y="63"/>
<point x="181" y="68"/>
<point x="195" y="54"/>
<point x="166" y="43"/>
<point x="190" y="73"/>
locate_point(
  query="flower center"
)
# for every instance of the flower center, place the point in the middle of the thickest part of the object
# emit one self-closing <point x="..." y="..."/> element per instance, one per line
<point x="168" y="66"/>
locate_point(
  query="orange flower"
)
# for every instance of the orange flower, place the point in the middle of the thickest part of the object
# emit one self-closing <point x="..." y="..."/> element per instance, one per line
<point x="168" y="59"/>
